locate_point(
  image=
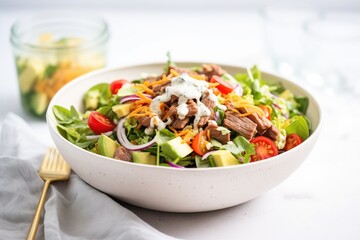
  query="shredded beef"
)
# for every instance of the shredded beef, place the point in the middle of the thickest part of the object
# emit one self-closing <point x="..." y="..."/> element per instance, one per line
<point x="210" y="105"/>
<point x="180" y="123"/>
<point x="144" y="121"/>
<point x="192" y="107"/>
<point x="264" y="125"/>
<point x="262" y="122"/>
<point x="272" y="132"/>
<point x="211" y="69"/>
<point x="122" y="153"/>
<point x="152" y="78"/>
<point x="180" y="70"/>
<point x="203" y="121"/>
<point x="172" y="112"/>
<point x="242" y="125"/>
<point x="217" y="134"/>
<point x="160" y="88"/>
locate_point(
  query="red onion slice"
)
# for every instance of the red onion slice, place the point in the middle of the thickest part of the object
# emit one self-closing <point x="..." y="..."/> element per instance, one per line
<point x="171" y="164"/>
<point x="217" y="116"/>
<point x="238" y="90"/>
<point x="91" y="137"/>
<point x="206" y="155"/>
<point x="276" y="106"/>
<point x="121" y="135"/>
<point x="132" y="97"/>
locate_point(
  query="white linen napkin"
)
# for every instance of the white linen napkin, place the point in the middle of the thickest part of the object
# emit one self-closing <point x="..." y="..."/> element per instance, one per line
<point x="73" y="209"/>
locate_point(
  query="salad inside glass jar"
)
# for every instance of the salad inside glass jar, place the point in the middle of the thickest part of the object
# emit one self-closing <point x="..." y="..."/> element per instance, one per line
<point x="50" y="51"/>
<point x="188" y="118"/>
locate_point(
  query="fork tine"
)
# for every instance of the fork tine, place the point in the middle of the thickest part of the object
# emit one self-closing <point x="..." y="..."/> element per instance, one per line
<point x="54" y="167"/>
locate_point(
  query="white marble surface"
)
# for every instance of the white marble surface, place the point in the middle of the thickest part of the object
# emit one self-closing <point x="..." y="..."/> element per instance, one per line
<point x="321" y="200"/>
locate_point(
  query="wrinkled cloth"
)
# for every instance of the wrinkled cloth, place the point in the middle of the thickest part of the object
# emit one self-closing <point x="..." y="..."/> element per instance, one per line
<point x="73" y="209"/>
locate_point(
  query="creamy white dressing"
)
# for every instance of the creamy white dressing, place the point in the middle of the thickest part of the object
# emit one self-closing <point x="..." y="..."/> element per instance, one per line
<point x="223" y="130"/>
<point x="202" y="111"/>
<point x="155" y="122"/>
<point x="213" y="122"/>
<point x="214" y="98"/>
<point x="185" y="88"/>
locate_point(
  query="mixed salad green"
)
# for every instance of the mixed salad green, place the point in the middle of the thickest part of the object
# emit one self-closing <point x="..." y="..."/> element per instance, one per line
<point x="188" y="117"/>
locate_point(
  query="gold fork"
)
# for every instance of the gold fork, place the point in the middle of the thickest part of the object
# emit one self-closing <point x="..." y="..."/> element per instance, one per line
<point x="53" y="168"/>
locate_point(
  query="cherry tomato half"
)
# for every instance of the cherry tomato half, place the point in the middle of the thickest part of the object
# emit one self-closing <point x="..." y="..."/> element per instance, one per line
<point x="292" y="140"/>
<point x="264" y="148"/>
<point x="224" y="86"/>
<point x="267" y="110"/>
<point x="116" y="85"/>
<point x="199" y="143"/>
<point x="99" y="123"/>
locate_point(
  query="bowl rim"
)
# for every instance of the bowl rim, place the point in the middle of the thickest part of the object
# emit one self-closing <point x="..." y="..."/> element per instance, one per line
<point x="52" y="122"/>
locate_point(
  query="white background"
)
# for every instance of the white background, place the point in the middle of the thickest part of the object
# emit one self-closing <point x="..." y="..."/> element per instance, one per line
<point x="319" y="201"/>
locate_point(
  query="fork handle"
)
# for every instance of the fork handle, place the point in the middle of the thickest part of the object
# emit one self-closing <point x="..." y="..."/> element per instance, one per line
<point x="37" y="216"/>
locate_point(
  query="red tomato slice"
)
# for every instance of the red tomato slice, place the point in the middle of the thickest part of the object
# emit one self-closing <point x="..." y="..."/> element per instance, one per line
<point x="264" y="148"/>
<point x="199" y="143"/>
<point x="224" y="86"/>
<point x="99" y="123"/>
<point x="267" y="110"/>
<point x="116" y="85"/>
<point x="292" y="140"/>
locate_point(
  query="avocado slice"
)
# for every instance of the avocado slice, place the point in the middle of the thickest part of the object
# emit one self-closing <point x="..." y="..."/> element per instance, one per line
<point x="39" y="103"/>
<point x="224" y="158"/>
<point x="29" y="70"/>
<point x="144" y="158"/>
<point x="122" y="110"/>
<point x="91" y="99"/>
<point x="107" y="146"/>
<point x="27" y="79"/>
<point x="176" y="148"/>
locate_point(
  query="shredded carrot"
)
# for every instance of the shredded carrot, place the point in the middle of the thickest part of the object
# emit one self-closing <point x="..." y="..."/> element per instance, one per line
<point x="138" y="115"/>
<point x="208" y="134"/>
<point x="173" y="129"/>
<point x="137" y="110"/>
<point x="141" y="103"/>
<point x="183" y="132"/>
<point x="164" y="109"/>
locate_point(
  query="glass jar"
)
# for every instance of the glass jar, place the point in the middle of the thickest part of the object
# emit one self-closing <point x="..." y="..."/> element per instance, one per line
<point x="332" y="47"/>
<point x="51" y="50"/>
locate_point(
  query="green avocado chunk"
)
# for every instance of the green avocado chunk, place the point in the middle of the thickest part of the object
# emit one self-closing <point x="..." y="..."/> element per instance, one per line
<point x="39" y="103"/>
<point x="27" y="79"/>
<point x="224" y="158"/>
<point x="106" y="146"/>
<point x="176" y="148"/>
<point x="122" y="110"/>
<point x="91" y="99"/>
<point x="144" y="158"/>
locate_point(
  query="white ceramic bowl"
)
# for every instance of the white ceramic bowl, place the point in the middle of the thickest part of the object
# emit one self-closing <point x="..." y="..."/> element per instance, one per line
<point x="172" y="189"/>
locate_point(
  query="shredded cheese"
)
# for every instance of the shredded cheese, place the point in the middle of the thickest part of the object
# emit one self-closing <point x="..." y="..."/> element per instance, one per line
<point x="173" y="73"/>
<point x="145" y="88"/>
<point x="163" y="80"/>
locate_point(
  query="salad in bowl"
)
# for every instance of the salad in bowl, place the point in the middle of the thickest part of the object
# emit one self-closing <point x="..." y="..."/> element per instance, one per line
<point x="193" y="117"/>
